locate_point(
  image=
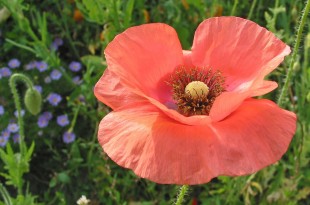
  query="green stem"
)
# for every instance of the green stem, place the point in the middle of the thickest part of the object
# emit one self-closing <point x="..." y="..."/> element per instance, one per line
<point x="295" y="51"/>
<point x="92" y="145"/>
<point x="14" y="78"/>
<point x="252" y="9"/>
<point x="233" y="11"/>
<point x="74" y="118"/>
<point x="181" y="194"/>
<point x="5" y="195"/>
<point x="115" y="16"/>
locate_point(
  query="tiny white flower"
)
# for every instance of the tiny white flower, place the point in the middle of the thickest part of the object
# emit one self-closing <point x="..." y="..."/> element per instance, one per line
<point x="83" y="200"/>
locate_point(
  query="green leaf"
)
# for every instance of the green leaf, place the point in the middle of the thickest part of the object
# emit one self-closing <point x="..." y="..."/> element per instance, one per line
<point x="63" y="177"/>
<point x="128" y="12"/>
<point x="30" y="151"/>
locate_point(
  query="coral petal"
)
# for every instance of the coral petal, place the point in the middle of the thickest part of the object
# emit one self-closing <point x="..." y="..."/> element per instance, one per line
<point x="111" y="92"/>
<point x="257" y="134"/>
<point x="155" y="147"/>
<point x="240" y="48"/>
<point x="263" y="87"/>
<point x="226" y="103"/>
<point x="143" y="55"/>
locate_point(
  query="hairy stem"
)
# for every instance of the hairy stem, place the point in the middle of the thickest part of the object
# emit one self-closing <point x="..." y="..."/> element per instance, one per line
<point x="14" y="78"/>
<point x="295" y="51"/>
<point x="181" y="194"/>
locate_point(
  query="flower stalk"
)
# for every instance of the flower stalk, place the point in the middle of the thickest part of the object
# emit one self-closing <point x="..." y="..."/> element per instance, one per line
<point x="300" y="28"/>
<point x="23" y="149"/>
<point x="181" y="195"/>
<point x="14" y="78"/>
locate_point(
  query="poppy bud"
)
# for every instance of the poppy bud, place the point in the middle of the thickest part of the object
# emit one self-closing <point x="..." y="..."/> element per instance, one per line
<point x="33" y="101"/>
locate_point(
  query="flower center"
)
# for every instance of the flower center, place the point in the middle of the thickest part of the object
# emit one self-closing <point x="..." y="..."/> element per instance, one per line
<point x="195" y="89"/>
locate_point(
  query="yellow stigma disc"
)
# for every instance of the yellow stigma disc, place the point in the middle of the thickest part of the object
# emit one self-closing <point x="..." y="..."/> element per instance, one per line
<point x="197" y="89"/>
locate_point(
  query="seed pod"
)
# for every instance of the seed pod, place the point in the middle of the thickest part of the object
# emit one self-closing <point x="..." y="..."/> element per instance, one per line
<point x="33" y="101"/>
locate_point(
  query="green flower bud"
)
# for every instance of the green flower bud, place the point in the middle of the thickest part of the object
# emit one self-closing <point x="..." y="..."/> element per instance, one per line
<point x="33" y="101"/>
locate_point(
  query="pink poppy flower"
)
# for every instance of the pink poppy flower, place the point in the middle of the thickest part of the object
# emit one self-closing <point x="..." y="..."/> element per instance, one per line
<point x="171" y="132"/>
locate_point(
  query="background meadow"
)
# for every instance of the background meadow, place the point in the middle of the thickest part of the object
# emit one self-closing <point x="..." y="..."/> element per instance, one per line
<point x="59" y="45"/>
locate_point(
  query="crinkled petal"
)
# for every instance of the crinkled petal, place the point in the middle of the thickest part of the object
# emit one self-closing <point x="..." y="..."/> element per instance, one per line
<point x="257" y="134"/>
<point x="155" y="147"/>
<point x="239" y="48"/>
<point x="142" y="56"/>
<point x="110" y="91"/>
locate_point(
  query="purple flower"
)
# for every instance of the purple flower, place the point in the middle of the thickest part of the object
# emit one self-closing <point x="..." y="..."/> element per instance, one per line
<point x="58" y="41"/>
<point x="31" y="65"/>
<point x="1" y="110"/>
<point x="47" y="115"/>
<point x="47" y="79"/>
<point x="13" y="127"/>
<point x="55" y="74"/>
<point x="75" y="66"/>
<point x="16" y="138"/>
<point x="41" y="66"/>
<point x="68" y="137"/>
<point x="42" y="121"/>
<point x="63" y="120"/>
<point x="5" y="133"/>
<point x="5" y="72"/>
<point x="22" y="112"/>
<point x="14" y="63"/>
<point x="3" y="141"/>
<point x="77" y="80"/>
<point x="38" y="88"/>
<point x="54" y="99"/>
<point x="53" y="46"/>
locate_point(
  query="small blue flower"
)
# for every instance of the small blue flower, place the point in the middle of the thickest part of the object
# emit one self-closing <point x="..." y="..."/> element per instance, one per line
<point x="16" y="138"/>
<point x="5" y="72"/>
<point x="14" y="63"/>
<point x="47" y="80"/>
<point x="75" y="66"/>
<point x="22" y="112"/>
<point x="77" y="80"/>
<point x="13" y="128"/>
<point x="58" y="41"/>
<point x="63" y="120"/>
<point x="1" y="110"/>
<point x="68" y="137"/>
<point x="38" y="88"/>
<point x="3" y="141"/>
<point x="41" y="66"/>
<point x="42" y="121"/>
<point x="31" y="65"/>
<point x="5" y="133"/>
<point x="53" y="47"/>
<point x="54" y="99"/>
<point x="47" y="115"/>
<point x="55" y="74"/>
